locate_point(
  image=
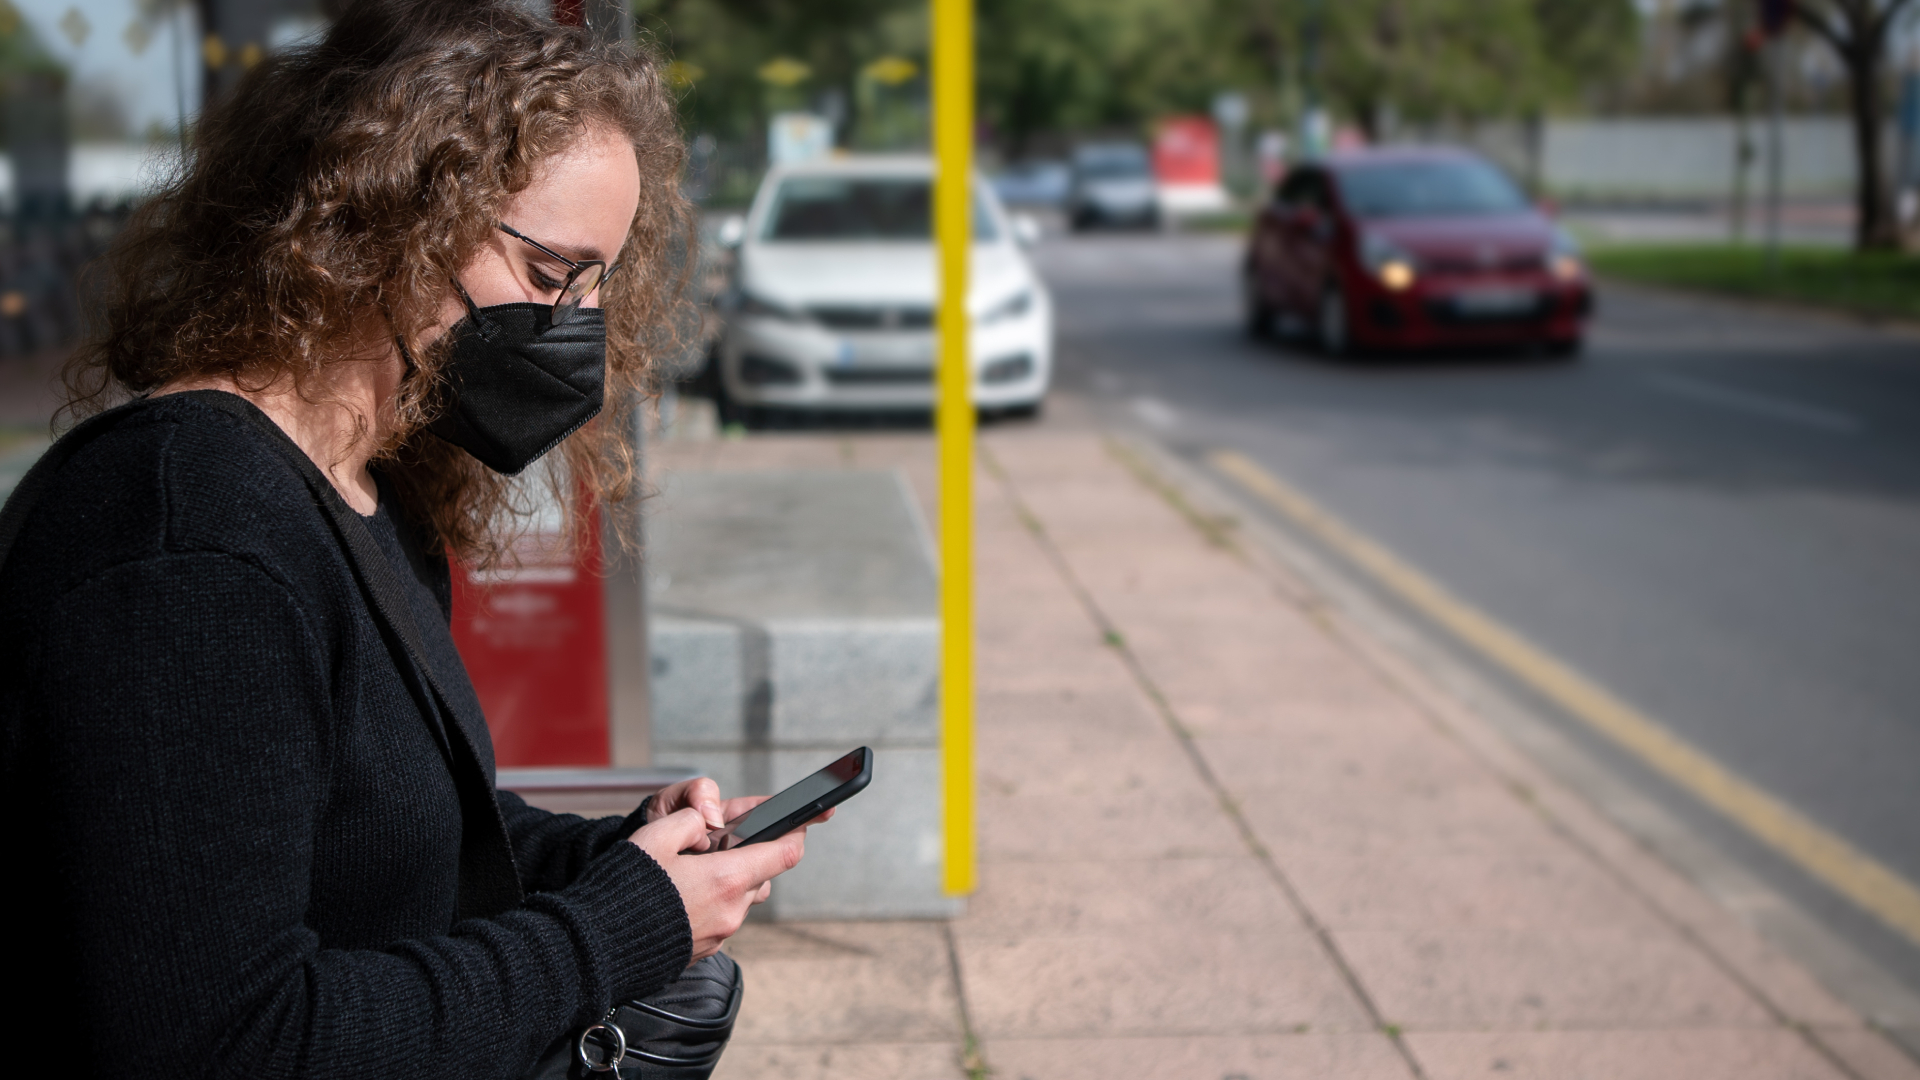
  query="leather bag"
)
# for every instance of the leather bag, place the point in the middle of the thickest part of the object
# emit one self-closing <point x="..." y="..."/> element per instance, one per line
<point x="676" y="1033"/>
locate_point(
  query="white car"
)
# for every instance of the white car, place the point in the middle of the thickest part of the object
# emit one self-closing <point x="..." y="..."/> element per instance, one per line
<point x="831" y="306"/>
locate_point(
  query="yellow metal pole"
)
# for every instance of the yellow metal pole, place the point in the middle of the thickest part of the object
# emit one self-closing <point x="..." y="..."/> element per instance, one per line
<point x="953" y="229"/>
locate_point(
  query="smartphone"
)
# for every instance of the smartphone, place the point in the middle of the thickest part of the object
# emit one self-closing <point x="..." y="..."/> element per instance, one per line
<point x="797" y="805"/>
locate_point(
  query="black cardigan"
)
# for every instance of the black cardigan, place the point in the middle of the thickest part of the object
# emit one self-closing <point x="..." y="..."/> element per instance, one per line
<point x="234" y="836"/>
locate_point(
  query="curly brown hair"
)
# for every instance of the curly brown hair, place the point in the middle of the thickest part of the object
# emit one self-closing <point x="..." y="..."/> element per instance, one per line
<point x="362" y="172"/>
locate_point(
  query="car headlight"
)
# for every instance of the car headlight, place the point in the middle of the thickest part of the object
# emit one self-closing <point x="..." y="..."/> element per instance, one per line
<point x="1011" y="308"/>
<point x="1388" y="262"/>
<point x="1565" y="260"/>
<point x="761" y="308"/>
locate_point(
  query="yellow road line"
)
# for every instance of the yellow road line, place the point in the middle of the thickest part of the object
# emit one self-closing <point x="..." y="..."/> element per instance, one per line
<point x="1844" y="868"/>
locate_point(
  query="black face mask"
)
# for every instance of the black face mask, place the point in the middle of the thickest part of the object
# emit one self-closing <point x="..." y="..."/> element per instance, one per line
<point x="517" y="385"/>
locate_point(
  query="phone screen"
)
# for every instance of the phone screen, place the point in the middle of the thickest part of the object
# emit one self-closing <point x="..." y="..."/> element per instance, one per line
<point x="814" y="789"/>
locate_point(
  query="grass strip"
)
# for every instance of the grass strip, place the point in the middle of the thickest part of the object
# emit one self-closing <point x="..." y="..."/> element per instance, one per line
<point x="1883" y="284"/>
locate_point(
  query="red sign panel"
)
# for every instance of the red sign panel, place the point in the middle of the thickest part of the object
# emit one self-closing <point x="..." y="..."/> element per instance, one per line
<point x="535" y="644"/>
<point x="1187" y="151"/>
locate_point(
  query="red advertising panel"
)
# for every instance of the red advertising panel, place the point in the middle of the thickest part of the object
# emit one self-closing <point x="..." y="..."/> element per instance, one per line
<point x="535" y="643"/>
<point x="1187" y="151"/>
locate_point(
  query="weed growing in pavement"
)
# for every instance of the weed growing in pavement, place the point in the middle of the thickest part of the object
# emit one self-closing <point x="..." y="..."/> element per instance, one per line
<point x="972" y="1062"/>
<point x="1217" y="528"/>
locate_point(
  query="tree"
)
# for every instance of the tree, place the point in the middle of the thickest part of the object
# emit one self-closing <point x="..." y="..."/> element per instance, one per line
<point x="1858" y="31"/>
<point x="1078" y="65"/>
<point x="721" y="46"/>
<point x="1585" y="42"/>
<point x="1430" y="60"/>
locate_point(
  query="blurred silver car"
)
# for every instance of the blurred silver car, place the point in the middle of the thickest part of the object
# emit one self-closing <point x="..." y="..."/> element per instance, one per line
<point x="834" y="287"/>
<point x="1113" y="185"/>
<point x="1034" y="182"/>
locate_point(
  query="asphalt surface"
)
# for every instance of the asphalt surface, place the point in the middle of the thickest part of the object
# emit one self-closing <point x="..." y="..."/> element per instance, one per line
<point x="1715" y="514"/>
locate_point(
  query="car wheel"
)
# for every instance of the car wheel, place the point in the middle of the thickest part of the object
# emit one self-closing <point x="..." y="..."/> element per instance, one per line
<point x="1566" y="348"/>
<point x="1026" y="411"/>
<point x="1333" y="330"/>
<point x="1258" y="313"/>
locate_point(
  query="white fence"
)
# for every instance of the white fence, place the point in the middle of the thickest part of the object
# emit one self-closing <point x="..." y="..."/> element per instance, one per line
<point x="1693" y="157"/>
<point x="1669" y="159"/>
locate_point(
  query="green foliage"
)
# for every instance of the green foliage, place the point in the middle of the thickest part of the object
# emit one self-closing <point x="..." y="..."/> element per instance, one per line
<point x="1425" y="60"/>
<point x="1878" y="283"/>
<point x="21" y="51"/>
<point x="1586" y="42"/>
<point x="1074" y="66"/>
<point x="1079" y="65"/>
<point x="721" y="46"/>
<point x="1430" y="60"/>
<point x="32" y="81"/>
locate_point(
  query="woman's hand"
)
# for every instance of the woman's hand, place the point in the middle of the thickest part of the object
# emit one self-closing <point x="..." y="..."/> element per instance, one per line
<point x="700" y="793"/>
<point x="716" y="887"/>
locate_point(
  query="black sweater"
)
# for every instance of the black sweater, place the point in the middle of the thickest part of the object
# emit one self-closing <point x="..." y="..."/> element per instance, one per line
<point x="234" y="837"/>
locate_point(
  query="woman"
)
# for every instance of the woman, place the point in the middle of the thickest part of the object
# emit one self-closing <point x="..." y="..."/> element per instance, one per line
<point x="236" y="776"/>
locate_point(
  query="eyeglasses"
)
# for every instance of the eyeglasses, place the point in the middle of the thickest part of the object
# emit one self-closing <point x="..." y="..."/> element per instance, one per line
<point x="582" y="277"/>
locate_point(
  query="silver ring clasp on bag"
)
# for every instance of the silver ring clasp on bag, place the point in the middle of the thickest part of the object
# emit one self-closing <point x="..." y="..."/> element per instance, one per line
<point x="619" y="1049"/>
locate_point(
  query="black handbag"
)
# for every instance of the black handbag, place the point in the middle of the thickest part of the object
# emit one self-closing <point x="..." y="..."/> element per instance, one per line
<point x="675" y="1033"/>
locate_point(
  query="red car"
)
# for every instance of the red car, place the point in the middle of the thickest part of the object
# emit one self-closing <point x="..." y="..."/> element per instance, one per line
<point x="1413" y="248"/>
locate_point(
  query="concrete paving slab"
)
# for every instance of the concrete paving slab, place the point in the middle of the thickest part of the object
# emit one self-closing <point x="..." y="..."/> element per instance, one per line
<point x="1870" y="1055"/>
<point x="1310" y="1056"/>
<point x="1526" y="980"/>
<point x="1165" y="979"/>
<point x="1541" y="890"/>
<point x="1035" y="824"/>
<point x="849" y="1061"/>
<point x="1028" y="898"/>
<point x="1100" y="712"/>
<point x="1387" y="749"/>
<point x="1354" y="819"/>
<point x="1288" y="701"/>
<point x="836" y="983"/>
<point x="1077" y="764"/>
<point x="1620" y="1055"/>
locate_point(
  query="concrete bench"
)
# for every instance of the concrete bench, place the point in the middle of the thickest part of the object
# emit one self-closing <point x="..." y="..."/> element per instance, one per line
<point x="792" y="617"/>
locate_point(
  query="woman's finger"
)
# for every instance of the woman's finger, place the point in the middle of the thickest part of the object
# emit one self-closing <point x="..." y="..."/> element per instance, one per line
<point x="700" y="793"/>
<point x="704" y="795"/>
<point x="760" y="863"/>
<point x="683" y="830"/>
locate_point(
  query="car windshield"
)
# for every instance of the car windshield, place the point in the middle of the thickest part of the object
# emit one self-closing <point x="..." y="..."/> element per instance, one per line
<point x="1428" y="189"/>
<point x="1113" y="163"/>
<point x="815" y="208"/>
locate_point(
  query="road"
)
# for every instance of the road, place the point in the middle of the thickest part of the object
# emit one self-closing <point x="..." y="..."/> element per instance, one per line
<point x="1715" y="515"/>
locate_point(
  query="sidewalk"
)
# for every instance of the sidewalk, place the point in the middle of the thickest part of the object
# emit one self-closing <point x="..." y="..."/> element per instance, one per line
<point x="1222" y="838"/>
